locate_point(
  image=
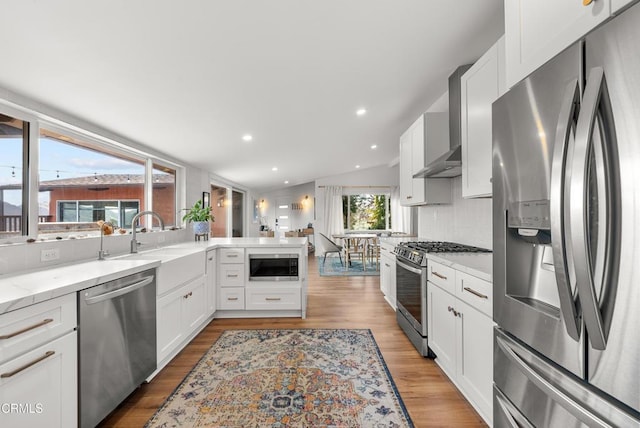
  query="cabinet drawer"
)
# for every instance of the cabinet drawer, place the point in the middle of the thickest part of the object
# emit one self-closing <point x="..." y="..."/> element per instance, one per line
<point x="34" y="325"/>
<point x="231" y="255"/>
<point x="442" y="275"/>
<point x="44" y="381"/>
<point x="273" y="298"/>
<point x="231" y="275"/>
<point x="231" y="298"/>
<point x="476" y="292"/>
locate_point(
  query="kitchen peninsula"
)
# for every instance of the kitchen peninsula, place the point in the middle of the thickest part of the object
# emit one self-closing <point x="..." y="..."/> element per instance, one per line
<point x="194" y="282"/>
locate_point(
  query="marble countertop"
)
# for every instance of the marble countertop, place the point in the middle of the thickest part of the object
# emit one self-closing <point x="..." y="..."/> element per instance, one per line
<point x="24" y="289"/>
<point x="27" y="288"/>
<point x="245" y="242"/>
<point x="479" y="265"/>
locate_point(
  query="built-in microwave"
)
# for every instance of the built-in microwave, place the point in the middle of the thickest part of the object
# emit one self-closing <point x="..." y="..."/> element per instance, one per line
<point x="273" y="267"/>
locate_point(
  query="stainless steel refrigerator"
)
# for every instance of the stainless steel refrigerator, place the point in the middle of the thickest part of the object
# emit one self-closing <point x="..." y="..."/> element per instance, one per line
<point x="566" y="200"/>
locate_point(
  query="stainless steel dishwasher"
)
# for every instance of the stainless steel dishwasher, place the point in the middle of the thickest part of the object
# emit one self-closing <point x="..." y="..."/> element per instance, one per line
<point x="116" y="343"/>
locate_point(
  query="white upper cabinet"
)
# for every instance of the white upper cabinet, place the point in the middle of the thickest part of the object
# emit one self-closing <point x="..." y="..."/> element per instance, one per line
<point x="481" y="85"/>
<point x="423" y="142"/>
<point x="536" y="31"/>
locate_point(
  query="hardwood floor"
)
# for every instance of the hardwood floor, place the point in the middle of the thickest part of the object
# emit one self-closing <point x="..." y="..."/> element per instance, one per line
<point x="333" y="302"/>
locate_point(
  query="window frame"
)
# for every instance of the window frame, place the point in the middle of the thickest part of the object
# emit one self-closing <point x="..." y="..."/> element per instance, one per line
<point x="77" y="210"/>
<point x="387" y="214"/>
<point x="110" y="145"/>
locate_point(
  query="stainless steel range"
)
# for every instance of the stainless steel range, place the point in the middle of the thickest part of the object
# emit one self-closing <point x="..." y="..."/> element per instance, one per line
<point x="411" y="286"/>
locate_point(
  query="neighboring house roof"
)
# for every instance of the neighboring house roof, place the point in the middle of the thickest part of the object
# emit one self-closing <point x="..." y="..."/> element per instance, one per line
<point x="99" y="180"/>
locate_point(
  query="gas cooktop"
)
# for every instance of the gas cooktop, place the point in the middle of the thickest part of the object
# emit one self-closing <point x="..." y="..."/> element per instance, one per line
<point x="415" y="251"/>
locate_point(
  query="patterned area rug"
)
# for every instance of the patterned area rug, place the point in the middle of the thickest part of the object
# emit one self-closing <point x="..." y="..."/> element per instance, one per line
<point x="287" y="378"/>
<point x="332" y="267"/>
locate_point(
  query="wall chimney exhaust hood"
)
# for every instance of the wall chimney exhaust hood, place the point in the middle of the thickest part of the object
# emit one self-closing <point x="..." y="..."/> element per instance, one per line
<point x="450" y="164"/>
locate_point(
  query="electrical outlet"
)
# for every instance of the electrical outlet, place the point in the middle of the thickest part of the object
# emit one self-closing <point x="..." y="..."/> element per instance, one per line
<point x="50" y="254"/>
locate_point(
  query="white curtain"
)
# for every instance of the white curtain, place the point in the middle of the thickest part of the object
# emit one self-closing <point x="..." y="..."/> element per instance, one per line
<point x="333" y="221"/>
<point x="401" y="217"/>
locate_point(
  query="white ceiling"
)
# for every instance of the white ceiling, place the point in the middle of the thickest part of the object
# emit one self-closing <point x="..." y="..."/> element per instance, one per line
<point x="190" y="78"/>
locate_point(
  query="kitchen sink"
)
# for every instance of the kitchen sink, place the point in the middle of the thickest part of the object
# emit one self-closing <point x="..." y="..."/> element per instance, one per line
<point x="177" y="265"/>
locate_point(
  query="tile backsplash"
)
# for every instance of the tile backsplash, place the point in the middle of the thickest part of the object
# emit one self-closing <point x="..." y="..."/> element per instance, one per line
<point x="466" y="221"/>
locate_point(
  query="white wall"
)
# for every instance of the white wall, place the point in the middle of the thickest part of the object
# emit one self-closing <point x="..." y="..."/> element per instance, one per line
<point x="465" y="221"/>
<point x="299" y="218"/>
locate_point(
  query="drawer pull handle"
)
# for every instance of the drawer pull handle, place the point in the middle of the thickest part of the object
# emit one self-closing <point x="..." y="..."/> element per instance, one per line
<point x="26" y="366"/>
<point x="455" y="313"/>
<point x="439" y="275"/>
<point x="232" y="256"/>
<point x="26" y="329"/>
<point x="232" y="298"/>
<point x="232" y="276"/>
<point x="210" y="259"/>
<point x="189" y="294"/>
<point x="472" y="291"/>
<point x="272" y="299"/>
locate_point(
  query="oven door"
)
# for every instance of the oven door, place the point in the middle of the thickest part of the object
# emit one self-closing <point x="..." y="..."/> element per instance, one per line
<point x="411" y="290"/>
<point x="273" y="267"/>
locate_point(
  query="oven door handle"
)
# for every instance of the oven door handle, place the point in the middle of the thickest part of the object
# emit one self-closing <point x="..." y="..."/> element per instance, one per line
<point x="409" y="268"/>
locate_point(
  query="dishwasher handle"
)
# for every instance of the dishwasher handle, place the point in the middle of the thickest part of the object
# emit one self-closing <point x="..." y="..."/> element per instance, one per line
<point x="119" y="292"/>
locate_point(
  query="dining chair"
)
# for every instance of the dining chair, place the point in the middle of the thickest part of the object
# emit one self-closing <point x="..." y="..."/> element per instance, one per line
<point x="330" y="247"/>
<point x="356" y="247"/>
<point x="373" y="252"/>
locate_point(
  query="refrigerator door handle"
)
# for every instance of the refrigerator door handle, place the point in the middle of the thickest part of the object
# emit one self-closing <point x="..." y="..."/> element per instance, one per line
<point x="537" y="376"/>
<point x="511" y="413"/>
<point x="559" y="230"/>
<point x="595" y="104"/>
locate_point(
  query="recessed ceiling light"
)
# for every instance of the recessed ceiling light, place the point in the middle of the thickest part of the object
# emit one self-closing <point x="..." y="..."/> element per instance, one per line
<point x="247" y="137"/>
<point x="357" y="166"/>
<point x="286" y="181"/>
<point x="374" y="146"/>
<point x="361" y="111"/>
<point x="275" y="168"/>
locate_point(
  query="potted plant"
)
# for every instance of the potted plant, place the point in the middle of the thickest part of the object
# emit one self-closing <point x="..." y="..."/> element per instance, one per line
<point x="200" y="217"/>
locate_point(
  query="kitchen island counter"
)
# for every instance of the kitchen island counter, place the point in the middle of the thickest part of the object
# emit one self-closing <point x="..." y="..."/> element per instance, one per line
<point x="26" y="288"/>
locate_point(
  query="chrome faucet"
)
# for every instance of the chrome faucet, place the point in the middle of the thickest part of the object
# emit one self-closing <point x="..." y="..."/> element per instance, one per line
<point x="102" y="253"/>
<point x="134" y="243"/>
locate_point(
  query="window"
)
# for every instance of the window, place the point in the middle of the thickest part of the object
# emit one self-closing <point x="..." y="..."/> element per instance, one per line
<point x="82" y="183"/>
<point x="118" y="213"/>
<point x="14" y="144"/>
<point x="365" y="212"/>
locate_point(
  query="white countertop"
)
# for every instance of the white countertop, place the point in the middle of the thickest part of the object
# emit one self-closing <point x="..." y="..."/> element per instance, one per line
<point x="479" y="265"/>
<point x="245" y="242"/>
<point x="20" y="290"/>
<point x="26" y="288"/>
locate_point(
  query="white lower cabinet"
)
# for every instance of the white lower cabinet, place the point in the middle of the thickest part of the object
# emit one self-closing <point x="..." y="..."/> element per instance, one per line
<point x="441" y="327"/>
<point x="211" y="282"/>
<point x="272" y="298"/>
<point x="179" y="313"/>
<point x="39" y="365"/>
<point x="231" y="298"/>
<point x="388" y="273"/>
<point x="474" y="357"/>
<point x="460" y="333"/>
<point x="39" y="388"/>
